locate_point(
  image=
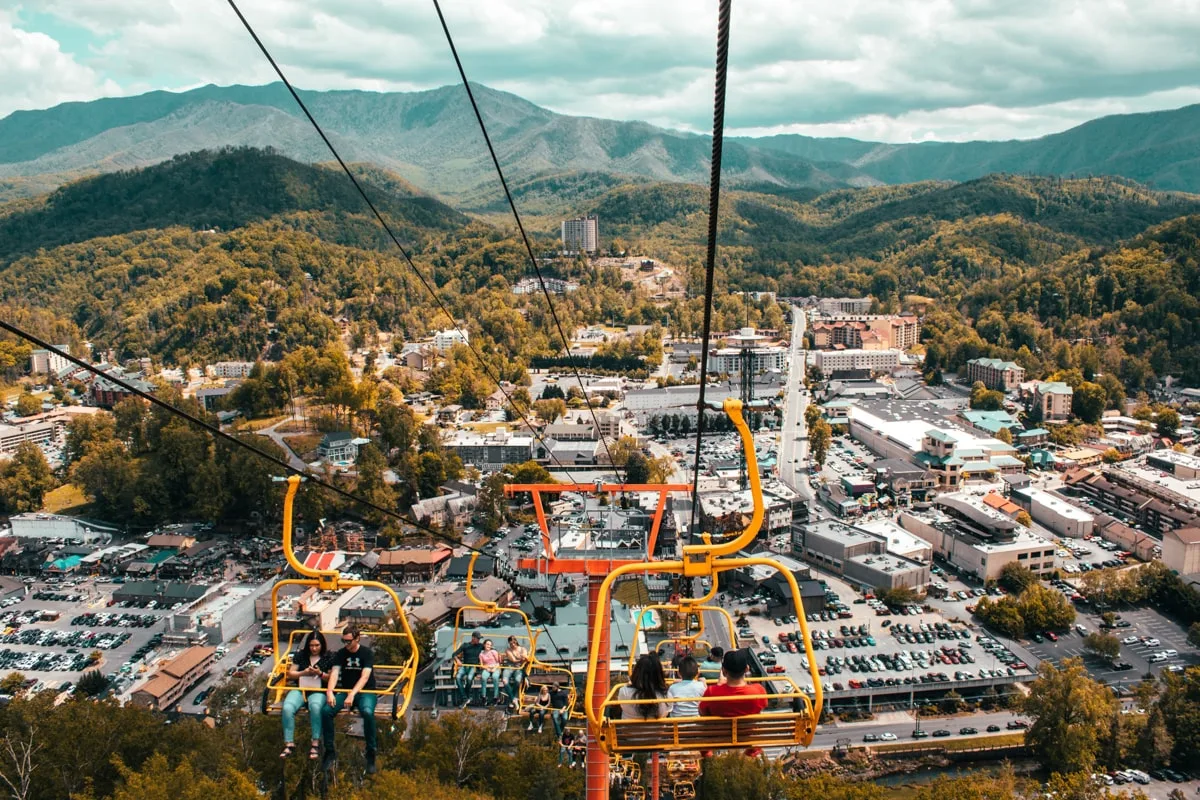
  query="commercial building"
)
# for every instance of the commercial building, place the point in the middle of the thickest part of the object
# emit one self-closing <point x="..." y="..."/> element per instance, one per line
<point x="1181" y="465"/>
<point x="898" y="541"/>
<point x="831" y="306"/>
<point x="106" y="393"/>
<point x="995" y="373"/>
<point x="47" y="362"/>
<point x="490" y="452"/>
<point x="414" y="564"/>
<point x="1052" y="399"/>
<point x="1181" y="550"/>
<point x="977" y="539"/>
<point x="832" y="361"/>
<point x="581" y="235"/>
<point x="223" y="613"/>
<point x="867" y="332"/>
<point x="12" y="436"/>
<point x="764" y="355"/>
<point x="860" y="556"/>
<point x="172" y="681"/>
<point x="55" y="526"/>
<point x="1133" y="499"/>
<point x="1054" y="513"/>
<point x="231" y="369"/>
<point x="444" y="340"/>
<point x="951" y="455"/>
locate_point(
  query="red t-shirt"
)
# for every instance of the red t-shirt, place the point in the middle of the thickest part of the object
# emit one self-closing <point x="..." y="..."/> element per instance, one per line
<point x="755" y="702"/>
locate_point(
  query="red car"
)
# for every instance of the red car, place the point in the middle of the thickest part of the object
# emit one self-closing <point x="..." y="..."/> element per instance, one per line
<point x="1052" y="636"/>
<point x="792" y="647"/>
<point x="776" y="668"/>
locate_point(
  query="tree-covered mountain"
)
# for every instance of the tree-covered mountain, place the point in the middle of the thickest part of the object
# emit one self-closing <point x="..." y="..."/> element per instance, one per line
<point x="221" y="189"/>
<point x="1160" y="148"/>
<point x="430" y="138"/>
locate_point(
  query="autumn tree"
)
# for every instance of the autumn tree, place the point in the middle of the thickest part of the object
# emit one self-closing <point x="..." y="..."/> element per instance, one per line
<point x="1016" y="577"/>
<point x="819" y="437"/>
<point x="1071" y="715"/>
<point x="28" y="404"/>
<point x="1088" y="402"/>
<point x="985" y="399"/>
<point x="25" y="480"/>
<point x="1103" y="645"/>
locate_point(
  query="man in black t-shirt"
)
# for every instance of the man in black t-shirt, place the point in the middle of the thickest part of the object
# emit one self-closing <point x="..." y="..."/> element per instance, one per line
<point x="353" y="671"/>
<point x="466" y="660"/>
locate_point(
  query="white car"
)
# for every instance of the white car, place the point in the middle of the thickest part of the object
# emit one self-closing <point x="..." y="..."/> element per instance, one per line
<point x="887" y="737"/>
<point x="1170" y="653"/>
<point x="1130" y="640"/>
<point x="1150" y="642"/>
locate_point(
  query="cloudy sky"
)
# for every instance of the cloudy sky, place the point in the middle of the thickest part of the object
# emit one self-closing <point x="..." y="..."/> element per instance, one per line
<point x="892" y="70"/>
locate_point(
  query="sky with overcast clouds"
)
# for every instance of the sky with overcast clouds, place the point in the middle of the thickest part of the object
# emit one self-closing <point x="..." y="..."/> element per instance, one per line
<point x="890" y="70"/>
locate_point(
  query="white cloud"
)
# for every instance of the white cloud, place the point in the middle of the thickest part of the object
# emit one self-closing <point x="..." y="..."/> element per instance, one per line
<point x="35" y="73"/>
<point x="906" y="69"/>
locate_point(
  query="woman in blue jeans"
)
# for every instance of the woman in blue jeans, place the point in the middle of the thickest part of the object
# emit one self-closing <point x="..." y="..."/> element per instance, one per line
<point x="309" y="671"/>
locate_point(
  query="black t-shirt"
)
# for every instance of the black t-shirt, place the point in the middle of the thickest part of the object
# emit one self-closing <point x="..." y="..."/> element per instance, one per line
<point x="469" y="653"/>
<point x="351" y="665"/>
<point x="559" y="698"/>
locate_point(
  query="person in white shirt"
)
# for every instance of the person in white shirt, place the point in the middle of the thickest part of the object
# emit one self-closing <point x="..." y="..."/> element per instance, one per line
<point x="688" y="686"/>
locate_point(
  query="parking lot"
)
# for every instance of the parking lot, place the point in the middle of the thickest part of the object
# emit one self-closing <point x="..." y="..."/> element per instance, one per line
<point x="54" y="627"/>
<point x="1162" y="633"/>
<point x="859" y="648"/>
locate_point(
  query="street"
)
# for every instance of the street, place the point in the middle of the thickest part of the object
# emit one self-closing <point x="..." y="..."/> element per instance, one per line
<point x="793" y="436"/>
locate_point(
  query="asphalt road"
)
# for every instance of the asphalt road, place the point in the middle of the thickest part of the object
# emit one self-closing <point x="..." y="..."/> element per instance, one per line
<point x="793" y="441"/>
<point x="902" y="725"/>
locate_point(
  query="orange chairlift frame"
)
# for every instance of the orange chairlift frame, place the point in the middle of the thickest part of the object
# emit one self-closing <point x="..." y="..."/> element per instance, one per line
<point x="395" y="682"/>
<point x="538" y="673"/>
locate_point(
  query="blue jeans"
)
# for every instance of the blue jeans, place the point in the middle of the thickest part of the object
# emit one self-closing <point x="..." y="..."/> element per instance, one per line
<point x="364" y="703"/>
<point x="566" y="756"/>
<point x="463" y="680"/>
<point x="492" y="677"/>
<point x="292" y="703"/>
<point x="511" y="678"/>
<point x="537" y="716"/>
<point x="559" y="717"/>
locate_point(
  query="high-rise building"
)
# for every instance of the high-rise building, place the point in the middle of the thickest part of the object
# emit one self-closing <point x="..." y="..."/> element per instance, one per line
<point x="581" y="235"/>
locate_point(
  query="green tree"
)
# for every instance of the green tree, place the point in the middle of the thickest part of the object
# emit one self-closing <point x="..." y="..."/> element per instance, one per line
<point x="91" y="683"/>
<point x="1102" y="644"/>
<point x="12" y="683"/>
<point x="1114" y="391"/>
<point x="371" y="486"/>
<point x="986" y="399"/>
<point x="28" y="405"/>
<point x="549" y="410"/>
<point x="1045" y="609"/>
<point x="819" y="437"/>
<point x="1166" y="422"/>
<point x="1003" y="615"/>
<point x="1004" y="435"/>
<point x="1070" y="714"/>
<point x="25" y="479"/>
<point x="1016" y="577"/>
<point x="1194" y="634"/>
<point x="637" y="468"/>
<point x="1088" y="402"/>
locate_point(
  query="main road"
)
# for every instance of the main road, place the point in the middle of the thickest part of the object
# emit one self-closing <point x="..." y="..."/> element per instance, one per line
<point x="793" y="436"/>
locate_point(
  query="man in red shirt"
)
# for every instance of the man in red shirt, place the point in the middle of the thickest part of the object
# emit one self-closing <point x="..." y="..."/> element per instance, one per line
<point x="733" y="683"/>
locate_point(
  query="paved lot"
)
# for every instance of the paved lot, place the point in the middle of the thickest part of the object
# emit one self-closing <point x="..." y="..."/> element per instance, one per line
<point x="885" y="641"/>
<point x="1145" y="622"/>
<point x="94" y="599"/>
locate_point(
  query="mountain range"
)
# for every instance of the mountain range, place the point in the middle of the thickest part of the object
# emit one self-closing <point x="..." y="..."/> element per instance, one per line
<point x="553" y="161"/>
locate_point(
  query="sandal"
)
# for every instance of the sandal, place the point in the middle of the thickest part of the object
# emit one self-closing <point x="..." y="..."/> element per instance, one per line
<point x="288" y="749"/>
<point x="314" y="752"/>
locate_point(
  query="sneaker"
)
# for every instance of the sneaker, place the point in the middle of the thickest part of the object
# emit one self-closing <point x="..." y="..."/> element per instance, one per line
<point x="530" y="727"/>
<point x="371" y="769"/>
<point x="539" y="729"/>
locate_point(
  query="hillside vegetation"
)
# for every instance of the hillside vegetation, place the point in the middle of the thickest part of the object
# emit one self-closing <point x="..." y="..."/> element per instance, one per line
<point x="129" y="260"/>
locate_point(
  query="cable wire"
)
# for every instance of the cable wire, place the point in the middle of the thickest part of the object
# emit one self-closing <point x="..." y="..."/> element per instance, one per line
<point x="714" y="200"/>
<point x="521" y="227"/>
<point x="424" y="282"/>
<point x="395" y="240"/>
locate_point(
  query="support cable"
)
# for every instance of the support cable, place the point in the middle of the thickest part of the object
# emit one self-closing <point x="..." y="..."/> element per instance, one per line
<point x="392" y="235"/>
<point x="714" y="198"/>
<point x="524" y="237"/>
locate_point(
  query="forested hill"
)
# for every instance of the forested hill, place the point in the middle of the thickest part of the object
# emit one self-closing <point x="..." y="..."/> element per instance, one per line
<point x="872" y="223"/>
<point x="222" y="189"/>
